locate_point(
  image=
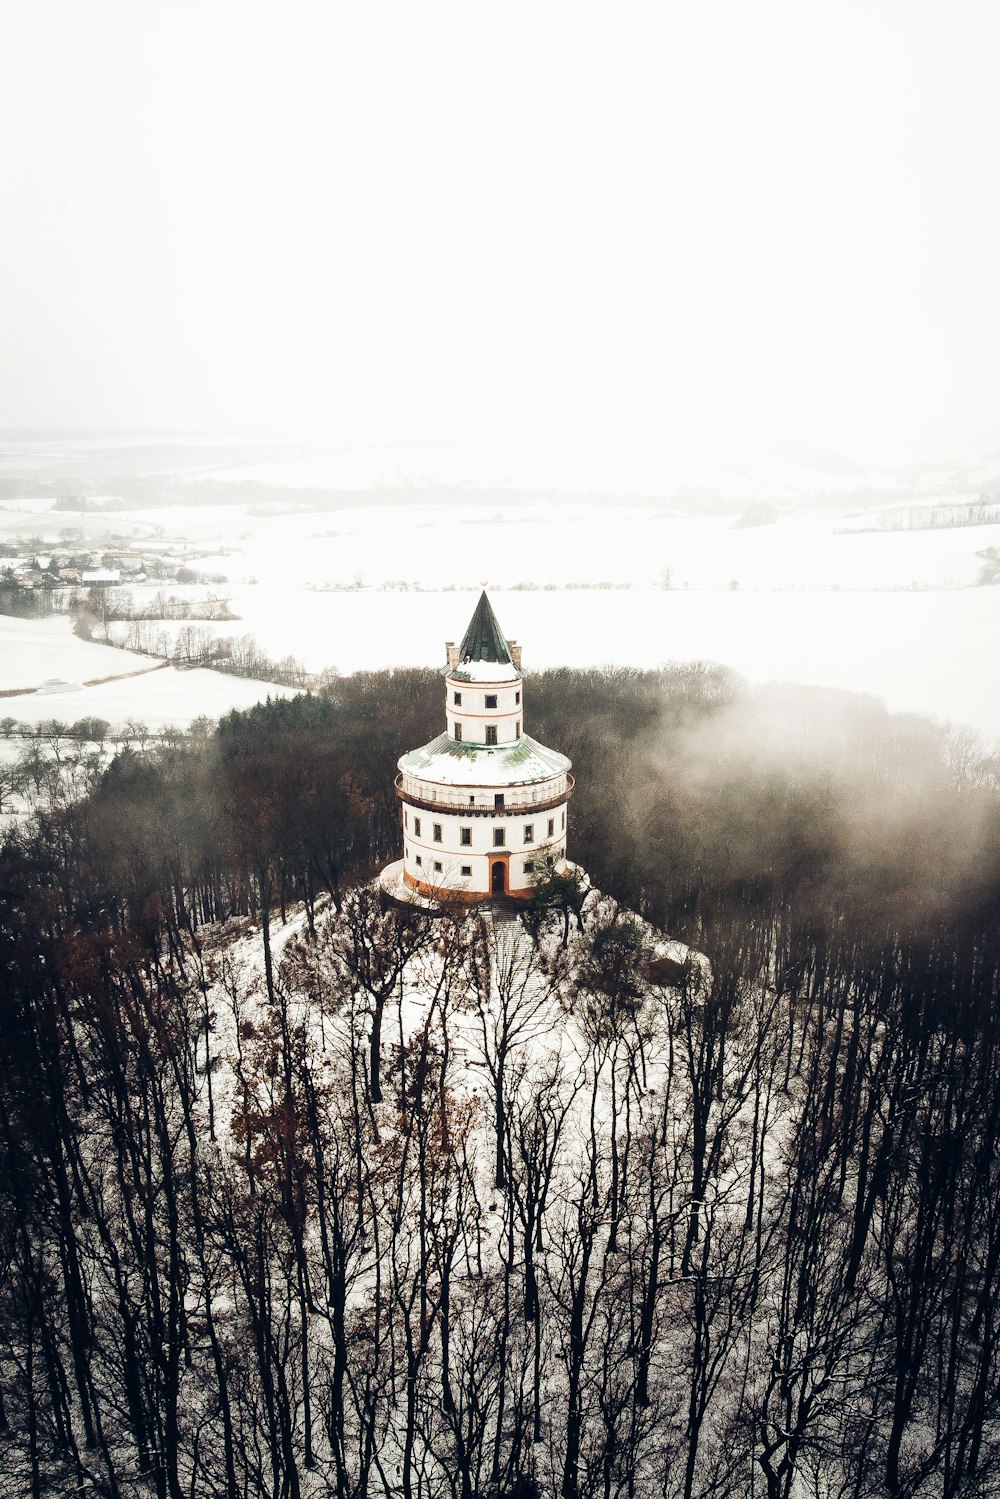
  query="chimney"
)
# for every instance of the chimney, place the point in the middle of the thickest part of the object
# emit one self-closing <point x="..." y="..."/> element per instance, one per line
<point x="451" y="650"/>
<point x="515" y="653"/>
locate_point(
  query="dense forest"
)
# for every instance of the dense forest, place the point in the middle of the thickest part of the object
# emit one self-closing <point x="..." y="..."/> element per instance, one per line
<point x="301" y="1193"/>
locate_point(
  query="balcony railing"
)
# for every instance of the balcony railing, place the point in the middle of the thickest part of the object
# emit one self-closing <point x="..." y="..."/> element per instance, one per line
<point x="514" y="809"/>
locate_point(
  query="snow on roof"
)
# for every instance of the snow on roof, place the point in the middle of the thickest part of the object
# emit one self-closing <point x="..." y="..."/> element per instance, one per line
<point x="455" y="762"/>
<point x="485" y="654"/>
<point x="483" y="671"/>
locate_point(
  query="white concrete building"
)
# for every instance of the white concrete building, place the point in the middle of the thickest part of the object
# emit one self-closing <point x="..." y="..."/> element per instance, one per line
<point x="484" y="805"/>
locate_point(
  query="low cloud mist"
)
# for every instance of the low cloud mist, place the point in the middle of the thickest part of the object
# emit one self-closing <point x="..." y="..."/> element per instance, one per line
<point x="824" y="796"/>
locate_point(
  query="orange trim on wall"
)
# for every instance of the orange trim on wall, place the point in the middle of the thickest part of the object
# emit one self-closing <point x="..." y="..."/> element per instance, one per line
<point x="456" y="711"/>
<point x="447" y="896"/>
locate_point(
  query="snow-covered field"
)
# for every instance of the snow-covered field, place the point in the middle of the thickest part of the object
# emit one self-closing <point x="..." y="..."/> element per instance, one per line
<point x="801" y="598"/>
<point x="927" y="653"/>
<point x="28" y="518"/>
<point x="161" y="699"/>
<point x="437" y="545"/>
<point x="33" y="652"/>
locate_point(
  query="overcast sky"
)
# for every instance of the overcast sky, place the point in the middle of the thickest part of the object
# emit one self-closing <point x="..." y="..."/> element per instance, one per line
<point x="624" y="225"/>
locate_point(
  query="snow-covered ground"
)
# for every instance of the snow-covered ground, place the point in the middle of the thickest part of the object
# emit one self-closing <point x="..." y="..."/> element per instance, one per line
<point x="537" y="983"/>
<point x="799" y="598"/>
<point x="161" y="699"/>
<point x="33" y="652"/>
<point x="26" y="518"/>
<point x="931" y="653"/>
<point x="438" y="545"/>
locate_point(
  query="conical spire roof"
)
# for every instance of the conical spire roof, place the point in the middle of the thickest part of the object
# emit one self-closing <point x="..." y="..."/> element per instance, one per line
<point x="484" y="639"/>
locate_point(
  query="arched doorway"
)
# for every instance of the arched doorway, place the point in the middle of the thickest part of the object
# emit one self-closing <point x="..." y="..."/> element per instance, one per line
<point x="498" y="877"/>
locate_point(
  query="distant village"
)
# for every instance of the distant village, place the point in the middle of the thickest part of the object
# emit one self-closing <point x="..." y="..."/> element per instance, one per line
<point x="74" y="566"/>
<point x="35" y="582"/>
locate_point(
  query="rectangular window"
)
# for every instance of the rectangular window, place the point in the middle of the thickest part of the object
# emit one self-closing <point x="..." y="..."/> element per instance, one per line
<point x="529" y="832"/>
<point x="517" y="699"/>
<point x="491" y="733"/>
<point x="491" y="700"/>
<point x="437" y="866"/>
<point x="466" y="869"/>
<point x="529" y="866"/>
<point x="499" y="837"/>
<point x="458" y="731"/>
<point x="437" y="832"/>
<point x="416" y="826"/>
<point x="552" y="826"/>
<point x="458" y="699"/>
<point x="466" y="837"/>
<point x="498" y="799"/>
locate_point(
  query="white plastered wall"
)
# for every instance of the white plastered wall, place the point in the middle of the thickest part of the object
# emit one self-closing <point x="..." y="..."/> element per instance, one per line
<point x="477" y="855"/>
<point x="475" y="710"/>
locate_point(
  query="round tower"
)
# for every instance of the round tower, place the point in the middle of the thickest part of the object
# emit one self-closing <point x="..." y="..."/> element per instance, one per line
<point x="484" y="805"/>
